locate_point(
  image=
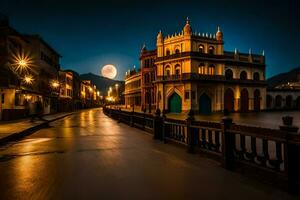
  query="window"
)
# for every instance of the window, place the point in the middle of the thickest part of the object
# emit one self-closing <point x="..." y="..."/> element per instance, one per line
<point x="211" y="50"/>
<point x="243" y="75"/>
<point x="177" y="51"/>
<point x="187" y="95"/>
<point x="168" y="52"/>
<point x="201" y="69"/>
<point x="168" y="71"/>
<point x="211" y="70"/>
<point x="2" y="98"/>
<point x="256" y="76"/>
<point x="201" y="49"/>
<point x="228" y="74"/>
<point x="147" y="79"/>
<point x="177" y="70"/>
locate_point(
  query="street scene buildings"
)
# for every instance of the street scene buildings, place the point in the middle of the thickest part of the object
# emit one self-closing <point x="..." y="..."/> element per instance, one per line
<point x="30" y="72"/>
<point x="192" y="118"/>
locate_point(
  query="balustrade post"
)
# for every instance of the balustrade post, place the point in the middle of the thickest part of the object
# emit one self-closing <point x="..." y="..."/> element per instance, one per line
<point x="157" y="126"/>
<point x="228" y="143"/>
<point x="119" y="115"/>
<point x="131" y="118"/>
<point x="164" y="126"/>
<point x="292" y="152"/>
<point x="190" y="132"/>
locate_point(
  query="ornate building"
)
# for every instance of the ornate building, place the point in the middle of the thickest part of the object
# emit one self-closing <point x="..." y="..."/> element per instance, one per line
<point x="148" y="96"/>
<point x="193" y="72"/>
<point x="132" y="91"/>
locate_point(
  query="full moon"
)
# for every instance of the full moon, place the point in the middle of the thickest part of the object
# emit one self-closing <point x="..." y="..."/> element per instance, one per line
<point x="109" y="71"/>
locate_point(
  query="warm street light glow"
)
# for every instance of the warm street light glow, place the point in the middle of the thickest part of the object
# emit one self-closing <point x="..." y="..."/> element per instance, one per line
<point x="98" y="93"/>
<point x="21" y="62"/>
<point x="54" y="84"/>
<point x="28" y="79"/>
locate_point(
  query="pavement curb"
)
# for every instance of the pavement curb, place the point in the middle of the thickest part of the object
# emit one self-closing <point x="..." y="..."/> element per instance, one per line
<point x="29" y="131"/>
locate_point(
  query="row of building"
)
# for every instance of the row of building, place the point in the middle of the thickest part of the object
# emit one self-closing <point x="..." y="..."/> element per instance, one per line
<point x="30" y="71"/>
<point x="192" y="71"/>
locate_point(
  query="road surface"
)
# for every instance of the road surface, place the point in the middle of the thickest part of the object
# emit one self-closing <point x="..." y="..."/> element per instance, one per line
<point x="90" y="156"/>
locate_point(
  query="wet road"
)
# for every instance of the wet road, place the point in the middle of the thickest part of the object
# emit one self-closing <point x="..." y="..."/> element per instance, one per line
<point x="89" y="156"/>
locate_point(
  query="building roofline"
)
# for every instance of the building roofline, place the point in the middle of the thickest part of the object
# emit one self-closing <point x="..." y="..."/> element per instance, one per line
<point x="36" y="36"/>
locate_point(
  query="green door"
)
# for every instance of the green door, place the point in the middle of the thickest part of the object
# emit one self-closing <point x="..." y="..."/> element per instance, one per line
<point x="204" y="104"/>
<point x="174" y="103"/>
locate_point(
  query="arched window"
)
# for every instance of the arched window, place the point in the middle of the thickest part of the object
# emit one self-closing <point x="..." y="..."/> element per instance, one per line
<point x="168" y="52"/>
<point x="243" y="75"/>
<point x="168" y="71"/>
<point x="228" y="74"/>
<point x="177" y="51"/>
<point x="177" y="70"/>
<point x="211" y="70"/>
<point x="201" y="68"/>
<point x="201" y="48"/>
<point x="256" y="76"/>
<point x="211" y="50"/>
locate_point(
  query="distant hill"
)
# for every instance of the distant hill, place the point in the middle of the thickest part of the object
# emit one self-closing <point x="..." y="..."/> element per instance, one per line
<point x="291" y="76"/>
<point x="102" y="83"/>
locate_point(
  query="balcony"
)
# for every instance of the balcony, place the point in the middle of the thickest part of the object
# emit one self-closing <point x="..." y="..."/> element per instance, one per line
<point x="206" y="77"/>
<point x="225" y="58"/>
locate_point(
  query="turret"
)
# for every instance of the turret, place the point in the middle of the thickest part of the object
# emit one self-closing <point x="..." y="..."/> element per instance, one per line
<point x="187" y="29"/>
<point x="219" y="34"/>
<point x="160" y="38"/>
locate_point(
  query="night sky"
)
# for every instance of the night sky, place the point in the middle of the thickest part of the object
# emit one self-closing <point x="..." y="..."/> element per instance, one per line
<point x="89" y="34"/>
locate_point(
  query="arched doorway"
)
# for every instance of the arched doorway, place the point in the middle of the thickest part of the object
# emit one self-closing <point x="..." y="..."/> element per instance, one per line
<point x="256" y="100"/>
<point x="289" y="101"/>
<point x="204" y="104"/>
<point x="229" y="100"/>
<point x="278" y="101"/>
<point x="174" y="103"/>
<point x="269" y="101"/>
<point x="244" y="100"/>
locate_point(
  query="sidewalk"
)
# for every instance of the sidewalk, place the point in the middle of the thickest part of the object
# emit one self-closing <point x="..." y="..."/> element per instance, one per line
<point x="12" y="130"/>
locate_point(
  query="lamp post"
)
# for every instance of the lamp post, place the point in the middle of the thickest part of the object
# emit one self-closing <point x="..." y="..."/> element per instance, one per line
<point x="55" y="86"/>
<point x="117" y="92"/>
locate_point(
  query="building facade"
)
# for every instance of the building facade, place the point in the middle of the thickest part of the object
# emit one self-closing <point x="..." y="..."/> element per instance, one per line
<point x="133" y="90"/>
<point x="193" y="72"/>
<point x="148" y="76"/>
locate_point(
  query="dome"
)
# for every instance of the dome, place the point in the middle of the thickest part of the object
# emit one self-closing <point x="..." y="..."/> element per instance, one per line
<point x="219" y="34"/>
<point x="187" y="29"/>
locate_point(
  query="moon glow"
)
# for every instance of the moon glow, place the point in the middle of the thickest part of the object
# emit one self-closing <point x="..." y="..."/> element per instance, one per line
<point x="109" y="71"/>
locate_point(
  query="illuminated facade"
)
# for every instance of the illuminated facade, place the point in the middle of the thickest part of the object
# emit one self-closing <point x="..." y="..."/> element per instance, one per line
<point x="148" y="92"/>
<point x="193" y="72"/>
<point x="132" y="91"/>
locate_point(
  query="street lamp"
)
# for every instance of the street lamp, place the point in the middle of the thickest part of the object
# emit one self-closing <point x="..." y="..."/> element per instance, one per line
<point x="28" y="79"/>
<point x="54" y="84"/>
